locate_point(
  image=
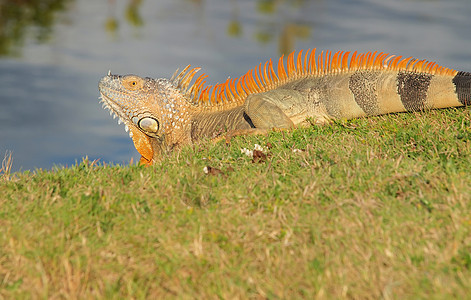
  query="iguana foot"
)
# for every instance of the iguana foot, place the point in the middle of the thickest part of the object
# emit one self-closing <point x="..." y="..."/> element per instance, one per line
<point x="239" y="132"/>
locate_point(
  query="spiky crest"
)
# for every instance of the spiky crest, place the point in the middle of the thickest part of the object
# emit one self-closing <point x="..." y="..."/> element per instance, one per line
<point x="260" y="79"/>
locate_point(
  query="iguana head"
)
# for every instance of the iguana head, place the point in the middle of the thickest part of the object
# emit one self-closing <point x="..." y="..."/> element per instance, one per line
<point x="154" y="111"/>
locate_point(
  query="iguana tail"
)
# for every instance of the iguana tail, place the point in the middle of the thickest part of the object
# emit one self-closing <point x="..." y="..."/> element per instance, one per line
<point x="344" y="87"/>
<point x="381" y="92"/>
<point x="341" y="85"/>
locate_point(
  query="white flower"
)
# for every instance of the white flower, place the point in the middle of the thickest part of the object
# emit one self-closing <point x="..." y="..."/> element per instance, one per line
<point x="247" y="152"/>
<point x="258" y="147"/>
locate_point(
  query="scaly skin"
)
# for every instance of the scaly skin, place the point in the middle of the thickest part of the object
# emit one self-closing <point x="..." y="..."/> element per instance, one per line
<point x="165" y="114"/>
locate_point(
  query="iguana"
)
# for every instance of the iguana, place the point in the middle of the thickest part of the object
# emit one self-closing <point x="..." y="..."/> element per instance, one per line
<point x="162" y="114"/>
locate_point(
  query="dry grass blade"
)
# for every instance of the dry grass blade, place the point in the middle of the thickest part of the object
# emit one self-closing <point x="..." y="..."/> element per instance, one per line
<point x="7" y="163"/>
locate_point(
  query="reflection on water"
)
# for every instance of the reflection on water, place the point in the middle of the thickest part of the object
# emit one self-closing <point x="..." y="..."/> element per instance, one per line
<point x="132" y="15"/>
<point x="36" y="18"/>
<point x="17" y="16"/>
<point x="52" y="54"/>
<point x="264" y="35"/>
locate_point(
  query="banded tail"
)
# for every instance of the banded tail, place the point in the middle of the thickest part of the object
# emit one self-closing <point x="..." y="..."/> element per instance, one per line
<point x="363" y="93"/>
<point x="342" y="85"/>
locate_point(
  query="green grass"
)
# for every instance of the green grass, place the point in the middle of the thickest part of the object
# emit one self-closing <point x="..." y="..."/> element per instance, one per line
<point x="370" y="208"/>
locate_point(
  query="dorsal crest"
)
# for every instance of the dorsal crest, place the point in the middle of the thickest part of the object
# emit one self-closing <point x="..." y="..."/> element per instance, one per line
<point x="264" y="77"/>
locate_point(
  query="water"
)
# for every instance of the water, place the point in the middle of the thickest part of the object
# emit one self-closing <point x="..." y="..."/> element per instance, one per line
<point x="51" y="61"/>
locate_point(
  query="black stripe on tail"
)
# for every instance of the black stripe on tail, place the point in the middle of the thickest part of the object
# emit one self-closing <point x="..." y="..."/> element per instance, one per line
<point x="412" y="88"/>
<point x="363" y="85"/>
<point x="462" y="82"/>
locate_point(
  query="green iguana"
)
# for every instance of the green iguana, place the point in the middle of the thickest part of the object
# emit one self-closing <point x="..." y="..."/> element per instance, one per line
<point x="162" y="114"/>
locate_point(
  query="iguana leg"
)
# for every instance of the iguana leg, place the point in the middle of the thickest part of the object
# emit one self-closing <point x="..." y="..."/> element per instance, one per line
<point x="265" y="116"/>
<point x="237" y="132"/>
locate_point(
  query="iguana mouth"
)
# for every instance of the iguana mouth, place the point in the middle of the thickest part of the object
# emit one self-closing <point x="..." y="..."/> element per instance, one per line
<point x="115" y="111"/>
<point x="141" y="141"/>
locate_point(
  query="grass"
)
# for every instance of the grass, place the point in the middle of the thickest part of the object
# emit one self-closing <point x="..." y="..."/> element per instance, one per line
<point x="365" y="209"/>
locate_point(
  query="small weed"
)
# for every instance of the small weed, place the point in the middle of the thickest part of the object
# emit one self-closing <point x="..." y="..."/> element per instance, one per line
<point x="5" y="168"/>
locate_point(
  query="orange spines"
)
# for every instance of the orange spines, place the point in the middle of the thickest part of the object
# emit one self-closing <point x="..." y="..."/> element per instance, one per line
<point x="429" y="66"/>
<point x="252" y="85"/>
<point x="247" y="84"/>
<point x="353" y="61"/>
<point x="231" y="90"/>
<point x="306" y="63"/>
<point x="335" y="61"/>
<point x="240" y="90"/>
<point x="418" y="67"/>
<point x="370" y="61"/>
<point x="365" y="59"/>
<point x="379" y="61"/>
<point x="386" y="61"/>
<point x="214" y="93"/>
<point x="344" y="62"/>
<point x="222" y="93"/>
<point x="290" y="65"/>
<point x="393" y="65"/>
<point x="403" y="63"/>
<point x="410" y="65"/>
<point x="320" y="63"/>
<point x="273" y="77"/>
<point x="178" y="76"/>
<point x="299" y="63"/>
<point x="328" y="61"/>
<point x="203" y="96"/>
<point x="264" y="78"/>
<point x="312" y="62"/>
<point x="259" y="82"/>
<point x="185" y="81"/>
<point x="281" y="69"/>
<point x="196" y="87"/>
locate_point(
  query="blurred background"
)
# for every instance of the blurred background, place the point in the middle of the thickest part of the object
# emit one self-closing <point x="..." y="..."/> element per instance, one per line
<point x="53" y="52"/>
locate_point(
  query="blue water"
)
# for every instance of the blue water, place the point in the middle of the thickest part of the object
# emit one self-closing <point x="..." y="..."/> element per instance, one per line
<point x="49" y="110"/>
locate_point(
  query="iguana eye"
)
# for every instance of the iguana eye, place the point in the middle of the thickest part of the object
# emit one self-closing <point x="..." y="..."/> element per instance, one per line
<point x="150" y="125"/>
<point x="132" y="82"/>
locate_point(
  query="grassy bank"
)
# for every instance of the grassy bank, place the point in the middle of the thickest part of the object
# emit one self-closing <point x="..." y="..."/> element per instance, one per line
<point x="369" y="208"/>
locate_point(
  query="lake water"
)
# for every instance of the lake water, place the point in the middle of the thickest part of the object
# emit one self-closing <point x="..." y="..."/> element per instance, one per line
<point x="52" y="56"/>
